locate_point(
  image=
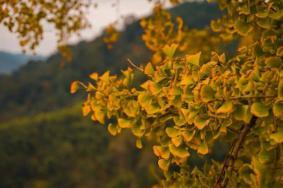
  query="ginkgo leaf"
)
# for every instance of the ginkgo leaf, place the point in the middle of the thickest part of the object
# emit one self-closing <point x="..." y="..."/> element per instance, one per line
<point x="193" y="59"/>
<point x="99" y="114"/>
<point x="278" y="110"/>
<point x="113" y="129"/>
<point x="259" y="109"/>
<point x="169" y="50"/>
<point x="180" y="151"/>
<point x="207" y="93"/>
<point x="149" y="70"/>
<point x="278" y="136"/>
<point x="139" y="143"/>
<point x="94" y="76"/>
<point x="188" y="135"/>
<point x="162" y="152"/>
<point x="75" y="86"/>
<point x="242" y="113"/>
<point x="227" y="107"/>
<point x="177" y="141"/>
<point x="172" y="132"/>
<point x="138" y="131"/>
<point x="243" y="27"/>
<point x="131" y="108"/>
<point x="86" y="109"/>
<point x="200" y="122"/>
<point x="125" y="123"/>
<point x="203" y="148"/>
<point x="163" y="164"/>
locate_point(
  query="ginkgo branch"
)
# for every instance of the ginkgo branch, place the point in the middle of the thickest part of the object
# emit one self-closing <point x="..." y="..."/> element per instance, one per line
<point x="228" y="163"/>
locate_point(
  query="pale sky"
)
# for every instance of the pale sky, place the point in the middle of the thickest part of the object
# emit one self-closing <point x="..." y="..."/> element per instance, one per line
<point x="100" y="17"/>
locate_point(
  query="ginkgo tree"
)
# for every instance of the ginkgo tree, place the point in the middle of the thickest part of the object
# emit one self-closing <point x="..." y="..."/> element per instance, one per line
<point x="194" y="95"/>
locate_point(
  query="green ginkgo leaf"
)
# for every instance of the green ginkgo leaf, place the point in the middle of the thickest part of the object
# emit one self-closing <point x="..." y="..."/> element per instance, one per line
<point x="200" y="122"/>
<point x="243" y="27"/>
<point x="242" y="113"/>
<point x="278" y="110"/>
<point x="278" y="136"/>
<point x="227" y="107"/>
<point x="258" y="109"/>
<point x="207" y="93"/>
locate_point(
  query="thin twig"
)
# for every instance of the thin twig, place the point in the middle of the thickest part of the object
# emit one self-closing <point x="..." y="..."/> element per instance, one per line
<point x="134" y="65"/>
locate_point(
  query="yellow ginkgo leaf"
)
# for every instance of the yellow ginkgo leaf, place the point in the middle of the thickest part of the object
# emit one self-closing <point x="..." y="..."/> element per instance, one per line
<point x="139" y="143"/>
<point x="203" y="148"/>
<point x="227" y="107"/>
<point x="75" y="86"/>
<point x="125" y="123"/>
<point x="259" y="109"/>
<point x="94" y="76"/>
<point x="169" y="50"/>
<point x="193" y="59"/>
<point x="86" y="109"/>
<point x="172" y="132"/>
<point x="200" y="123"/>
<point x="163" y="164"/>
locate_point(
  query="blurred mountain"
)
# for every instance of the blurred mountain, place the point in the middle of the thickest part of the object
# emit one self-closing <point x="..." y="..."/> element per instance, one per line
<point x="44" y="86"/>
<point x="10" y="62"/>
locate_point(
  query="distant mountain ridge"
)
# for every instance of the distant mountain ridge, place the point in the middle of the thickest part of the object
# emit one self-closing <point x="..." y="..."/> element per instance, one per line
<point x="10" y="62"/>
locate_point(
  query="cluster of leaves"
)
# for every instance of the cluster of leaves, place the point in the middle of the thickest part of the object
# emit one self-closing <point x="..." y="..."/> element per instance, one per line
<point x="192" y="100"/>
<point x="26" y="19"/>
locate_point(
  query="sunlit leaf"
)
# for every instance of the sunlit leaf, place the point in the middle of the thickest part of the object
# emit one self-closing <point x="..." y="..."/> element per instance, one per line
<point x="200" y="122"/>
<point x="203" y="148"/>
<point x="193" y="59"/>
<point x="169" y="50"/>
<point x="227" y="107"/>
<point x="163" y="164"/>
<point x="259" y="109"/>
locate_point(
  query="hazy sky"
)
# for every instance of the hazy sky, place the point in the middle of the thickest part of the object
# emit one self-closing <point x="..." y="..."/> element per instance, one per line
<point x="99" y="18"/>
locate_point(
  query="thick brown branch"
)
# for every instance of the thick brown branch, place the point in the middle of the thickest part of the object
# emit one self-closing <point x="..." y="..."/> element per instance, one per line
<point x="228" y="164"/>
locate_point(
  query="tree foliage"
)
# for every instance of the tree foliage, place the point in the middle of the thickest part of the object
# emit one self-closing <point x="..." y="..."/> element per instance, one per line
<point x="195" y="96"/>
